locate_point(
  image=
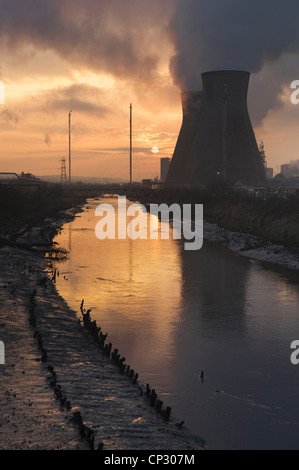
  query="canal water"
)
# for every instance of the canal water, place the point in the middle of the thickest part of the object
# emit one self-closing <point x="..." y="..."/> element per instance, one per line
<point x="175" y="313"/>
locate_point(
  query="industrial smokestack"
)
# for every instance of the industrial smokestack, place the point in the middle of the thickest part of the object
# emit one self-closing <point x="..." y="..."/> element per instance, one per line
<point x="222" y="145"/>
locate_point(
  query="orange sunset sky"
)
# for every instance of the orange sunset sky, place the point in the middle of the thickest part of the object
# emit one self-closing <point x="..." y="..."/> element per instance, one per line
<point x="97" y="57"/>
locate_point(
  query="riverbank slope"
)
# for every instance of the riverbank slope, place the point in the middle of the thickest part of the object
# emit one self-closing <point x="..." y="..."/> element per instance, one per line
<point x="263" y="230"/>
<point x="272" y="220"/>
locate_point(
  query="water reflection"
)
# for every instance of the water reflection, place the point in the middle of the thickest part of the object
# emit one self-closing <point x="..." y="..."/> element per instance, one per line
<point x="132" y="286"/>
<point x="215" y="282"/>
<point x="174" y="313"/>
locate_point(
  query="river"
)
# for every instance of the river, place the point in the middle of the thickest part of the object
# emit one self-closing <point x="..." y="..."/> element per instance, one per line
<point x="175" y="313"/>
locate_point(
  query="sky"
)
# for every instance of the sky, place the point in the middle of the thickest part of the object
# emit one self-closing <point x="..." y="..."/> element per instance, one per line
<point x="95" y="57"/>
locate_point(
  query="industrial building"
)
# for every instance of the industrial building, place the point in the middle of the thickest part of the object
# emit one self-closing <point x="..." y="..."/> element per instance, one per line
<point x="216" y="140"/>
<point x="164" y="167"/>
<point x="290" y="170"/>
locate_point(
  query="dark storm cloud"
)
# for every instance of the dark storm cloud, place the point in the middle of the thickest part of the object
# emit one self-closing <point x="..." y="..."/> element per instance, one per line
<point x="235" y="34"/>
<point x="113" y="36"/>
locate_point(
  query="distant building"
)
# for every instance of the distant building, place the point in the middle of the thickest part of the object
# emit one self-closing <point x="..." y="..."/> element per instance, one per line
<point x="269" y="173"/>
<point x="289" y="170"/>
<point x="147" y="182"/>
<point x="165" y="162"/>
<point x="28" y="176"/>
<point x="285" y="170"/>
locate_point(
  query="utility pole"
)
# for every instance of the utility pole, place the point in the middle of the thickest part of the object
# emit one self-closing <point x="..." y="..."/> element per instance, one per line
<point x="70" y="166"/>
<point x="224" y="135"/>
<point x="131" y="147"/>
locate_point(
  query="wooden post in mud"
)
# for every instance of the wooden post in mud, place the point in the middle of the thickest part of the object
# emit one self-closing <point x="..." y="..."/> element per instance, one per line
<point x="159" y="405"/>
<point x="153" y="397"/>
<point x="135" y="380"/>
<point x="116" y="358"/>
<point x="167" y="413"/>
<point x="107" y="349"/>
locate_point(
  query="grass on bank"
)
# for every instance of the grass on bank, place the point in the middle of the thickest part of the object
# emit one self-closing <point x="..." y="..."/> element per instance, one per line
<point x="273" y="220"/>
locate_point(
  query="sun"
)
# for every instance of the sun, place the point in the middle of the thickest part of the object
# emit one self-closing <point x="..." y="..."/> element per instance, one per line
<point x="155" y="150"/>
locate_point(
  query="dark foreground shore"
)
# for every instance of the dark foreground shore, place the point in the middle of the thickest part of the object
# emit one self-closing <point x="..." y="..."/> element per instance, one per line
<point x="44" y="340"/>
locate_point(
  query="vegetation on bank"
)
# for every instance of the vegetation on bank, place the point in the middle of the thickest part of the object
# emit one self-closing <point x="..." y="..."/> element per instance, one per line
<point x="20" y="207"/>
<point x="273" y="220"/>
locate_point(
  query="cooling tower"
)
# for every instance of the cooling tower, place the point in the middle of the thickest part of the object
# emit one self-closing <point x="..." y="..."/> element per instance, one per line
<point x="192" y="105"/>
<point x="216" y="141"/>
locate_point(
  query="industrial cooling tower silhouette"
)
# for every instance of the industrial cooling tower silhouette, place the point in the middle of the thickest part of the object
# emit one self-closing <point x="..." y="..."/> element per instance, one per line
<point x="216" y="141"/>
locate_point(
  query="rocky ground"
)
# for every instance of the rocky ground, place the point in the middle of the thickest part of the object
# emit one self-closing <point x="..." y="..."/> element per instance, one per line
<point x="252" y="246"/>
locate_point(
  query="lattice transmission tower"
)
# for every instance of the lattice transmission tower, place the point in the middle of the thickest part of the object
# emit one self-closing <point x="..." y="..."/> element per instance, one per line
<point x="63" y="179"/>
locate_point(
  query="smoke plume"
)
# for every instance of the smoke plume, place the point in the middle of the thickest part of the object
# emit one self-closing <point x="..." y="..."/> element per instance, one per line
<point x="47" y="139"/>
<point x="239" y="35"/>
<point x="9" y="116"/>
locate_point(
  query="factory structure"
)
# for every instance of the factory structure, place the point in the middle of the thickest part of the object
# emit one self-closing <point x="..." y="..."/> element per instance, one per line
<point x="216" y="141"/>
<point x="164" y="168"/>
<point x="290" y="170"/>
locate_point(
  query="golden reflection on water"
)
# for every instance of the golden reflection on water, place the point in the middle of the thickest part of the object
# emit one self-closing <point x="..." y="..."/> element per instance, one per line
<point x="124" y="282"/>
<point x="284" y="290"/>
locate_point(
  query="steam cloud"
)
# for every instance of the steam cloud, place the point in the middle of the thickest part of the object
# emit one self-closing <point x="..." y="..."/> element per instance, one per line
<point x="240" y="35"/>
<point x="235" y="34"/>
